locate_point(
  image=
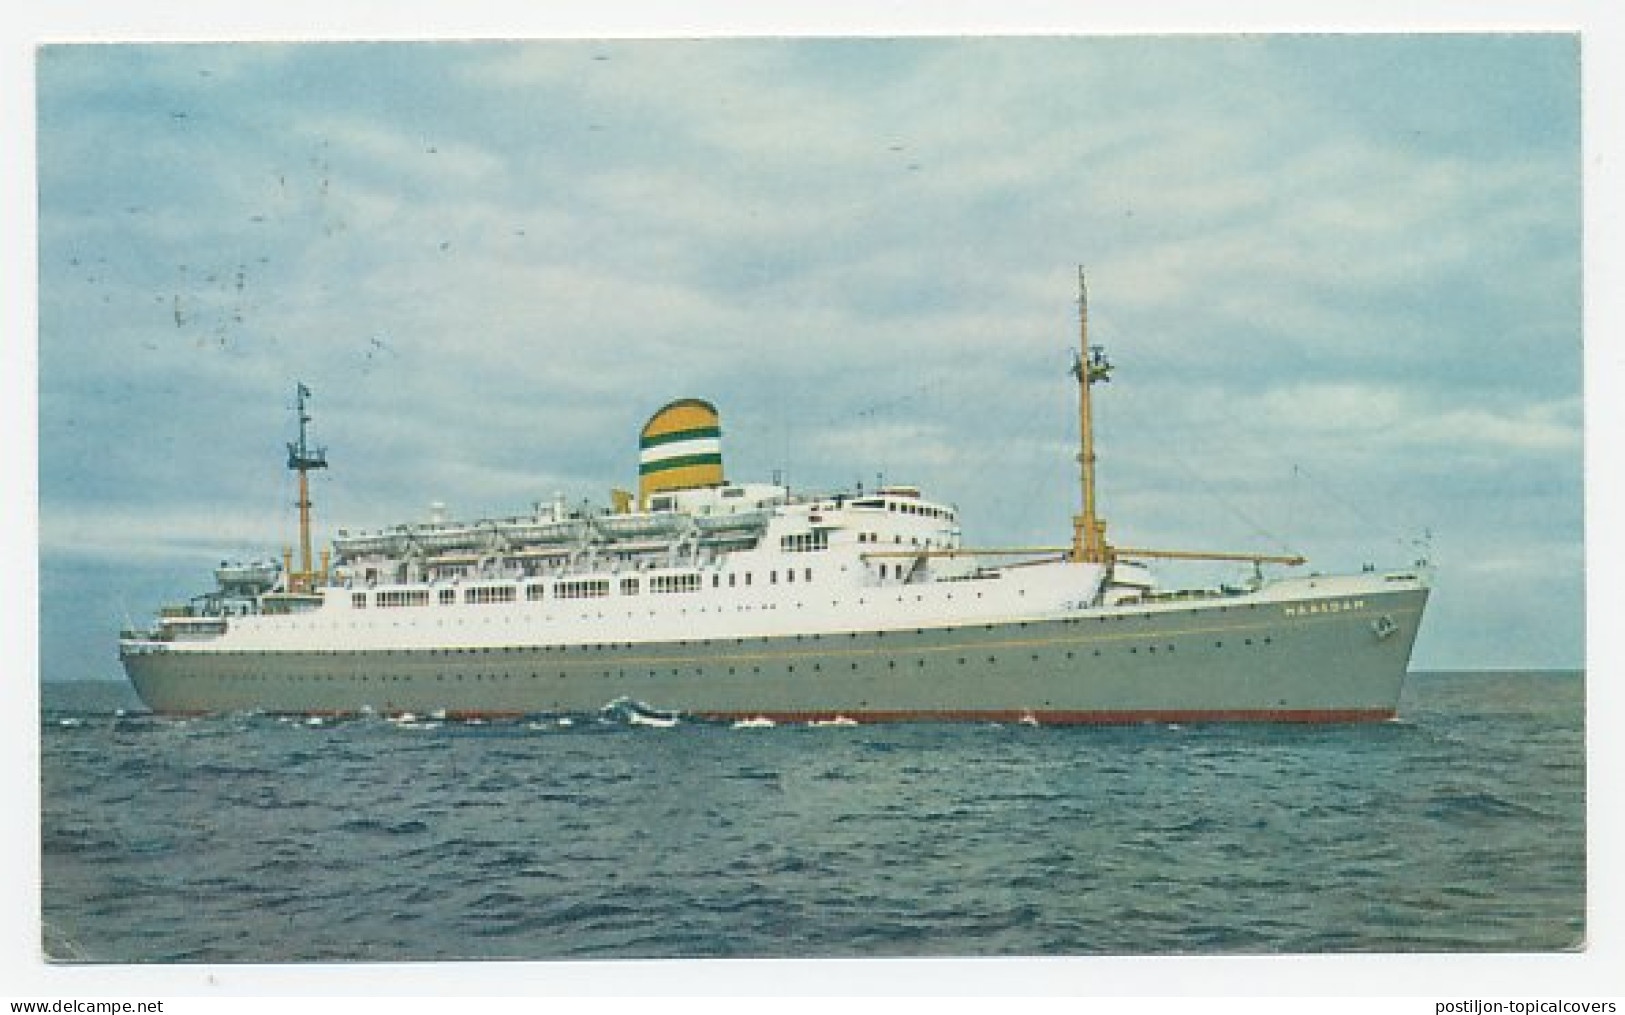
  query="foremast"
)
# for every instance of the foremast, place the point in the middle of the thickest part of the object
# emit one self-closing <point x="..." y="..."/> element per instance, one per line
<point x="303" y="458"/>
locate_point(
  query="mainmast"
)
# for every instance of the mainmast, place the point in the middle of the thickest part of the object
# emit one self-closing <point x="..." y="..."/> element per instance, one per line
<point x="302" y="458"/>
<point x="1089" y="546"/>
<point x="1089" y="365"/>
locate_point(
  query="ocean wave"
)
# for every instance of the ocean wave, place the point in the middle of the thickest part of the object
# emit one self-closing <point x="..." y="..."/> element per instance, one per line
<point x="251" y="839"/>
<point x="1458" y="805"/>
<point x="374" y="826"/>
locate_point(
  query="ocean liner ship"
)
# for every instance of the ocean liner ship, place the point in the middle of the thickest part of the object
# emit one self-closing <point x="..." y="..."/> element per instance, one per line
<point x="753" y="602"/>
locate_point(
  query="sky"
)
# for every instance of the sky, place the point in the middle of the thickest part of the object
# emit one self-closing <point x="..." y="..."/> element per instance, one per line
<point x="1340" y="277"/>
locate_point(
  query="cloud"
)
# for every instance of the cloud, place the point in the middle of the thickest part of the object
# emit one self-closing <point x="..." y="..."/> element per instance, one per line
<point x="1421" y="426"/>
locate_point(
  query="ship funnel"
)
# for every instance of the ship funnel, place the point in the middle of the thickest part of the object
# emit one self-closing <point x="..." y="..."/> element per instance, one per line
<point x="680" y="449"/>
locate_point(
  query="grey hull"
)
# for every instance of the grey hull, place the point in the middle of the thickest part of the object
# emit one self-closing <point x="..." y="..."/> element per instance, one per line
<point x="1273" y="661"/>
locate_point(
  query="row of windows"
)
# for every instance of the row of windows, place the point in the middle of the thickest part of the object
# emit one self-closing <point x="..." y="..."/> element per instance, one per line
<point x="479" y="594"/>
<point x="675" y="583"/>
<point x="799" y="605"/>
<point x="805" y="542"/>
<point x="590" y="588"/>
<point x="906" y="508"/>
<point x="897" y="539"/>
<point x="788" y="667"/>
<point x="718" y="643"/>
<point x="917" y="509"/>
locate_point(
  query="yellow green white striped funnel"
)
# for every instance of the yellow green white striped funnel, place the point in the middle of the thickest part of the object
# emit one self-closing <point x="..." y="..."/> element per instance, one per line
<point x="680" y="448"/>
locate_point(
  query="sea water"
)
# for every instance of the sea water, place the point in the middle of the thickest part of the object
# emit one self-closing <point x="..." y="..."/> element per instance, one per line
<point x="252" y="838"/>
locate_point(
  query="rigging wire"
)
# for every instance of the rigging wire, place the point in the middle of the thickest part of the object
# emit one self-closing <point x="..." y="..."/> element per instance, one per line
<point x="1298" y="471"/>
<point x="1208" y="487"/>
<point x="1365" y="518"/>
<point x="1128" y="407"/>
